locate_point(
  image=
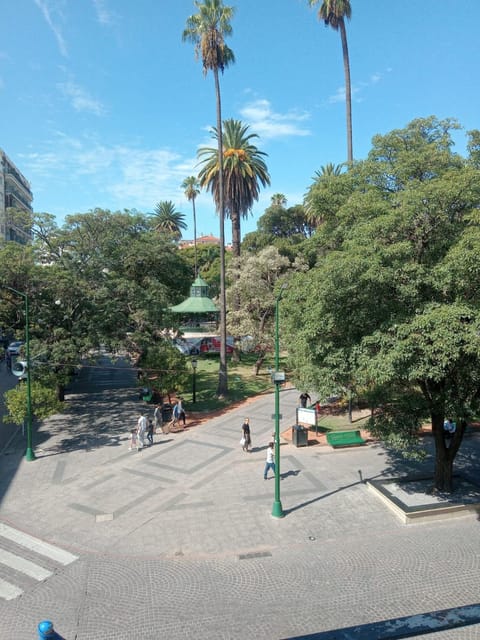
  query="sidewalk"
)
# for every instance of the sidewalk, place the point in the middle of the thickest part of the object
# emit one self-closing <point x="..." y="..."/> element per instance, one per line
<point x="178" y="540"/>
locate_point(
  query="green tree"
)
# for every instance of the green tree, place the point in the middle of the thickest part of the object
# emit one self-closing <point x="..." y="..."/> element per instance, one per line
<point x="208" y="29"/>
<point x="285" y="228"/>
<point x="44" y="403"/>
<point x="167" y="219"/>
<point x="278" y="200"/>
<point x="255" y="281"/>
<point x="394" y="308"/>
<point x="333" y="13"/>
<point x="191" y="189"/>
<point x="164" y="368"/>
<point x="244" y="171"/>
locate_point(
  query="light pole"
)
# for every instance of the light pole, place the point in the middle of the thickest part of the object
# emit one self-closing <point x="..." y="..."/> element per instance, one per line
<point x="29" y="455"/>
<point x="194" y="381"/>
<point x="278" y="378"/>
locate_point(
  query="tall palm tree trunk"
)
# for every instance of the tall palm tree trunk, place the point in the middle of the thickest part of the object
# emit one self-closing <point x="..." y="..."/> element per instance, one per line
<point x="195" y="237"/>
<point x="222" y="388"/>
<point x="236" y="233"/>
<point x="348" y="89"/>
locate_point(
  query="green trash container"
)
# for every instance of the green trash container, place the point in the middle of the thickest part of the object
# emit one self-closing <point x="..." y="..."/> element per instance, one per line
<point x="299" y="435"/>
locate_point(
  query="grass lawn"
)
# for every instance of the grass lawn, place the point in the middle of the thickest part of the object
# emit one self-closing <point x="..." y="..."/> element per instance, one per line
<point x="242" y="382"/>
<point x="340" y="422"/>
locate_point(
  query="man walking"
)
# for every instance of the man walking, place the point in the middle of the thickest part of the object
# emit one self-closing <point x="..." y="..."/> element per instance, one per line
<point x="141" y="428"/>
<point x="270" y="460"/>
<point x="304" y="398"/>
<point x="157" y="417"/>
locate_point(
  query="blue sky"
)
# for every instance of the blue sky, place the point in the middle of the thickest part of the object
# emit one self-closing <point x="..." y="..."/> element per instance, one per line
<point x="103" y="105"/>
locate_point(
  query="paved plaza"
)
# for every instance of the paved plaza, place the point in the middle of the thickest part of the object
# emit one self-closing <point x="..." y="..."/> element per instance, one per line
<point x="177" y="541"/>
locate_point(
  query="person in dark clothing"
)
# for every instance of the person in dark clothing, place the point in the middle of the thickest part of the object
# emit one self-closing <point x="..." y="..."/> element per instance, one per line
<point x="304" y="397"/>
<point x="150" y="432"/>
<point x="246" y="437"/>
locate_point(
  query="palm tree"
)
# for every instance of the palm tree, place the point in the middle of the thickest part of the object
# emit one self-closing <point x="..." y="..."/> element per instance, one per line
<point x="278" y="200"/>
<point x="191" y="189"/>
<point x="168" y="219"/>
<point x="333" y="13"/>
<point x="243" y="171"/>
<point x="329" y="169"/>
<point x="208" y="29"/>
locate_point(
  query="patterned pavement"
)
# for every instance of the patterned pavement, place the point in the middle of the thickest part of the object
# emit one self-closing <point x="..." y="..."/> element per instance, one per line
<point x="177" y="541"/>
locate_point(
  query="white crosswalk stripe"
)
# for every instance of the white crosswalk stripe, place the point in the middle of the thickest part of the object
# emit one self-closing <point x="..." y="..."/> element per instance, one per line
<point x="34" y="544"/>
<point x="9" y="591"/>
<point x="26" y="566"/>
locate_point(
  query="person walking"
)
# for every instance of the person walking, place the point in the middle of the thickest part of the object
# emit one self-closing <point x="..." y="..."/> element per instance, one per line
<point x="270" y="460"/>
<point x="133" y="439"/>
<point x="304" y="397"/>
<point x="246" y="437"/>
<point x="150" y="432"/>
<point x="181" y="411"/>
<point x="141" y="428"/>
<point x="157" y="417"/>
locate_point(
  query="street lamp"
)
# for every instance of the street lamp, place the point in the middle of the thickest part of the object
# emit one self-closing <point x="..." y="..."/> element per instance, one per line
<point x="278" y="378"/>
<point x="29" y="455"/>
<point x="194" y="386"/>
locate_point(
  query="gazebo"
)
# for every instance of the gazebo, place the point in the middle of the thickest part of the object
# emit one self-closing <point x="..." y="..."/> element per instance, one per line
<point x="199" y="311"/>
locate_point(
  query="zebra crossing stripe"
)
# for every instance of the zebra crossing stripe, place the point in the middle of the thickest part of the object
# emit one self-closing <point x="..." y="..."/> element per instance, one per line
<point x="34" y="544"/>
<point x="30" y="569"/>
<point x="9" y="591"/>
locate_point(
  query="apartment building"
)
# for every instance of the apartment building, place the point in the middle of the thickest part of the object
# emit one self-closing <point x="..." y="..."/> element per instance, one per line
<point x="15" y="193"/>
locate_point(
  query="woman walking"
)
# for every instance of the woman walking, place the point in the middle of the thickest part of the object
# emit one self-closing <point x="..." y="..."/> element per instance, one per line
<point x="246" y="438"/>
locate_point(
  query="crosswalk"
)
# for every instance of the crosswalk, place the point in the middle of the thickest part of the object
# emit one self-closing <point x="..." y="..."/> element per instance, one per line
<point x="29" y="558"/>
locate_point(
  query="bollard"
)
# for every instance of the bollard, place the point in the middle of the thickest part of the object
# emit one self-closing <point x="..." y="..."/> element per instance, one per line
<point x="46" y="631"/>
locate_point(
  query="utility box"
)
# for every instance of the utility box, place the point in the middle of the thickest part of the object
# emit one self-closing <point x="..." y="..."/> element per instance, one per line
<point x="299" y="435"/>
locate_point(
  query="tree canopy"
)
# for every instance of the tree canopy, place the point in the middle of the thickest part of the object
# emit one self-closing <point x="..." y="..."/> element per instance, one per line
<point x="391" y="309"/>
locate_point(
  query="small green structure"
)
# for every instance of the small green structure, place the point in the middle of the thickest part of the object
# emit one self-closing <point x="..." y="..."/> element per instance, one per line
<point x="199" y="312"/>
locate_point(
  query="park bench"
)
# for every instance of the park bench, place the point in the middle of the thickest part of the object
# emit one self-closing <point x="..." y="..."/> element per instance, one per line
<point x="344" y="438"/>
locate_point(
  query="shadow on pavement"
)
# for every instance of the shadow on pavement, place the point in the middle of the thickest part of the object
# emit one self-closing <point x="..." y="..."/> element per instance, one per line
<point x="406" y="627"/>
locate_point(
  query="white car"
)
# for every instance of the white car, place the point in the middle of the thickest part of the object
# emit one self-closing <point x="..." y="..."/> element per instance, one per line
<point x="14" y="347"/>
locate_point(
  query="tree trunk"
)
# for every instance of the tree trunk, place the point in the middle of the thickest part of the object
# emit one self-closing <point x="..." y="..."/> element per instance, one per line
<point x="61" y="392"/>
<point x="348" y="89"/>
<point x="195" y="237"/>
<point x="445" y="452"/>
<point x="258" y="364"/>
<point x="236" y="233"/>
<point x="222" y="387"/>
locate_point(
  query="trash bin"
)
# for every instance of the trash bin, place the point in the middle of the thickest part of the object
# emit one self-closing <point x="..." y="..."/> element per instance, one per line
<point x="299" y="436"/>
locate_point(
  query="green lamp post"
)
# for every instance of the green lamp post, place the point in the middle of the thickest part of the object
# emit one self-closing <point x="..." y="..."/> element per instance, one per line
<point x="194" y="380"/>
<point x="278" y="378"/>
<point x="29" y="455"/>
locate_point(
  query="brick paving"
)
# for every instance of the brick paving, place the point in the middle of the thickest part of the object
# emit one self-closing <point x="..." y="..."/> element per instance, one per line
<point x="177" y="541"/>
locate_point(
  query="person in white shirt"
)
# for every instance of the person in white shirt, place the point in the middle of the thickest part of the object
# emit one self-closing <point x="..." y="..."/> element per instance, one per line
<point x="270" y="460"/>
<point x="141" y="428"/>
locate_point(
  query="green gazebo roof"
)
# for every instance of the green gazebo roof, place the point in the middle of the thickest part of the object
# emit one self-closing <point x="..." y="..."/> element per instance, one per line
<point x="198" y="302"/>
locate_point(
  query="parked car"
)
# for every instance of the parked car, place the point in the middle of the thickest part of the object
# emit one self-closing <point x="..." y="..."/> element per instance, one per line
<point x="187" y="347"/>
<point x="14" y="347"/>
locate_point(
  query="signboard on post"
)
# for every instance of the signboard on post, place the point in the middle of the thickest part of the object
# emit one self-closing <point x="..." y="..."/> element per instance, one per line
<point x="308" y="416"/>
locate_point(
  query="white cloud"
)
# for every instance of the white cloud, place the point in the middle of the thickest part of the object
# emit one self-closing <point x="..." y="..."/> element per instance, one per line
<point x="48" y="8"/>
<point x="269" y="124"/>
<point x="80" y="99"/>
<point x="105" y="16"/>
<point x="357" y="88"/>
<point x="118" y="175"/>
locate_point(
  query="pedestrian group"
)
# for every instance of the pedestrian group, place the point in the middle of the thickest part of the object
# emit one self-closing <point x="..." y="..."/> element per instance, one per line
<point x="142" y="435"/>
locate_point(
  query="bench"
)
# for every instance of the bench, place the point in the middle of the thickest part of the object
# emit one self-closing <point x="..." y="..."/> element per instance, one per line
<point x="345" y="438"/>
